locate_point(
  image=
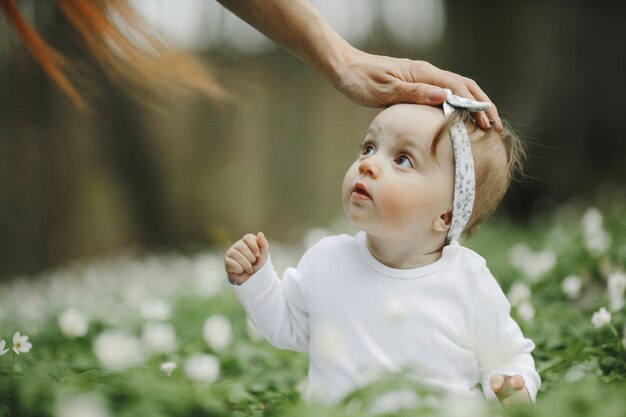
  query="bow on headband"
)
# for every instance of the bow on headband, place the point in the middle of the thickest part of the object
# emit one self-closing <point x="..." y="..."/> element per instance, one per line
<point x="464" y="178"/>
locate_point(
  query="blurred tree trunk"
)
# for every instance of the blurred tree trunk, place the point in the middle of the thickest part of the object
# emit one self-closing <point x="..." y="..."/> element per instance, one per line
<point x="26" y="152"/>
<point x="131" y="156"/>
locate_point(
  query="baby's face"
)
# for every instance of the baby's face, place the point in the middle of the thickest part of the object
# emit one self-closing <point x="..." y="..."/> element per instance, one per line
<point x="395" y="188"/>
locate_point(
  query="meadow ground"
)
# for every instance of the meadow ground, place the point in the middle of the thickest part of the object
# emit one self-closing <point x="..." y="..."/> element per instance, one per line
<point x="162" y="335"/>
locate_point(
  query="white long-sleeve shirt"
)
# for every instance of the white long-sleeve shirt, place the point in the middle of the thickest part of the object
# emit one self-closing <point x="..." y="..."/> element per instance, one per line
<point x="448" y="322"/>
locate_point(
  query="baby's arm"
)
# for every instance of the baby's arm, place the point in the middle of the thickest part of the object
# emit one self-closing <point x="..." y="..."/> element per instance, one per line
<point x="503" y="353"/>
<point x="275" y="306"/>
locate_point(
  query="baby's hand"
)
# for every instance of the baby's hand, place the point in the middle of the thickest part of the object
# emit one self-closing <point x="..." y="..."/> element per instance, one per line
<point x="510" y="389"/>
<point x="246" y="257"/>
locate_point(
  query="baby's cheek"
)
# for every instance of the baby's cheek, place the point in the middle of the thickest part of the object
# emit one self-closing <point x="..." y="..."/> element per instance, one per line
<point x="400" y="207"/>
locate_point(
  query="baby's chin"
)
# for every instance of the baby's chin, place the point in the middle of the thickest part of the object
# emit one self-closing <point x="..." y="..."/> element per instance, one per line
<point x="358" y="221"/>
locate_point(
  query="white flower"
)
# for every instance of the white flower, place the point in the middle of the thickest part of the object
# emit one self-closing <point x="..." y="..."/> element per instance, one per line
<point x="157" y="310"/>
<point x="217" y="332"/>
<point x="396" y="309"/>
<point x="202" y="368"/>
<point x="159" y="337"/>
<point x="616" y="286"/>
<point x="207" y="274"/>
<point x="571" y="286"/>
<point x="597" y="240"/>
<point x="2" y="349"/>
<point x="534" y="265"/>
<point x="616" y="302"/>
<point x="118" y="350"/>
<point x="168" y="367"/>
<point x="21" y="343"/>
<point x="601" y="318"/>
<point x="616" y="283"/>
<point x="591" y="220"/>
<point x="526" y="311"/>
<point x="576" y="372"/>
<point x="519" y="254"/>
<point x="72" y="323"/>
<point x="81" y="405"/>
<point x="519" y="294"/>
<point x="453" y="405"/>
<point x="394" y="402"/>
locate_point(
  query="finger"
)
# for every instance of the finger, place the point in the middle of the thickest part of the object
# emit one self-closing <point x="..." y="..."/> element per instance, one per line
<point x="492" y="111"/>
<point x="241" y="259"/>
<point x="435" y="77"/>
<point x="233" y="267"/>
<point x="496" y="382"/>
<point x="454" y="82"/>
<point x="517" y="382"/>
<point x="263" y="244"/>
<point x="245" y="250"/>
<point x="460" y="86"/>
<point x="418" y="93"/>
<point x="250" y="240"/>
<point x="466" y="85"/>
<point x="431" y="77"/>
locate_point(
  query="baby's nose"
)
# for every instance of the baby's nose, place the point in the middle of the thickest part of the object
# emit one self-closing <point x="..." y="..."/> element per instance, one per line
<point x="369" y="167"/>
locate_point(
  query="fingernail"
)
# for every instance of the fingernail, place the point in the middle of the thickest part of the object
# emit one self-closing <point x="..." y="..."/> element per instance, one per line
<point x="436" y="94"/>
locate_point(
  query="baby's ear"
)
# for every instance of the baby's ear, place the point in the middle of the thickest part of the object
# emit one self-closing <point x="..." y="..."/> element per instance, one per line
<point x="443" y="222"/>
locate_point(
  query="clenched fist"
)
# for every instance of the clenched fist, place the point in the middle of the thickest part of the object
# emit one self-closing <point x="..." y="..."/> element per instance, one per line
<point x="246" y="257"/>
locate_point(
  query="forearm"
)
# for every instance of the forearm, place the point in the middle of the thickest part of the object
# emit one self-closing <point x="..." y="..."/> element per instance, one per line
<point x="274" y="312"/>
<point x="299" y="28"/>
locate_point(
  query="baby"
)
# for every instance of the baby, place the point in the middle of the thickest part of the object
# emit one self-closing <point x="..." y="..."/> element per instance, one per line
<point x="402" y="294"/>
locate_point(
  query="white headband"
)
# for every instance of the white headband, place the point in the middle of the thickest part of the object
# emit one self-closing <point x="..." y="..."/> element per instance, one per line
<point x="464" y="179"/>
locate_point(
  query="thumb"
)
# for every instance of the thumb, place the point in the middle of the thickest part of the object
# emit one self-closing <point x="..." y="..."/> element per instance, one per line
<point x="420" y="93"/>
<point x="263" y="244"/>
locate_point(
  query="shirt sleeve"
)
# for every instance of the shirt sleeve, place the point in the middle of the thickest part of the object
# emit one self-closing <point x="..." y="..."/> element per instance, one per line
<point x="276" y="307"/>
<point x="499" y="343"/>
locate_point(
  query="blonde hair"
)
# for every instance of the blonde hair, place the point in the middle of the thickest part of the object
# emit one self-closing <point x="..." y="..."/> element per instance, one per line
<point x="123" y="45"/>
<point x="498" y="158"/>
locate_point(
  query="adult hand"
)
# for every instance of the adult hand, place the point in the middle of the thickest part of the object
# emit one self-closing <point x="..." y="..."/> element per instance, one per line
<point x="510" y="390"/>
<point x="380" y="81"/>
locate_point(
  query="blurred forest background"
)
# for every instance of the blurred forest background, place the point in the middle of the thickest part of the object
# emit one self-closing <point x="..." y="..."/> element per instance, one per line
<point x="136" y="177"/>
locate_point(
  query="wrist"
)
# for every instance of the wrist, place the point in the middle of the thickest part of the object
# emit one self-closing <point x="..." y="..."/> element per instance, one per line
<point x="338" y="60"/>
<point x="234" y="281"/>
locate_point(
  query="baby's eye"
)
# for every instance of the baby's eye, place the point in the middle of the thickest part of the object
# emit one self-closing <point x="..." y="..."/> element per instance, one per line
<point x="367" y="150"/>
<point x="404" y="161"/>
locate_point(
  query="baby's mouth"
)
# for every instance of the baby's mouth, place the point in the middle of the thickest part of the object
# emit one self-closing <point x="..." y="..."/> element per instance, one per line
<point x="360" y="191"/>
